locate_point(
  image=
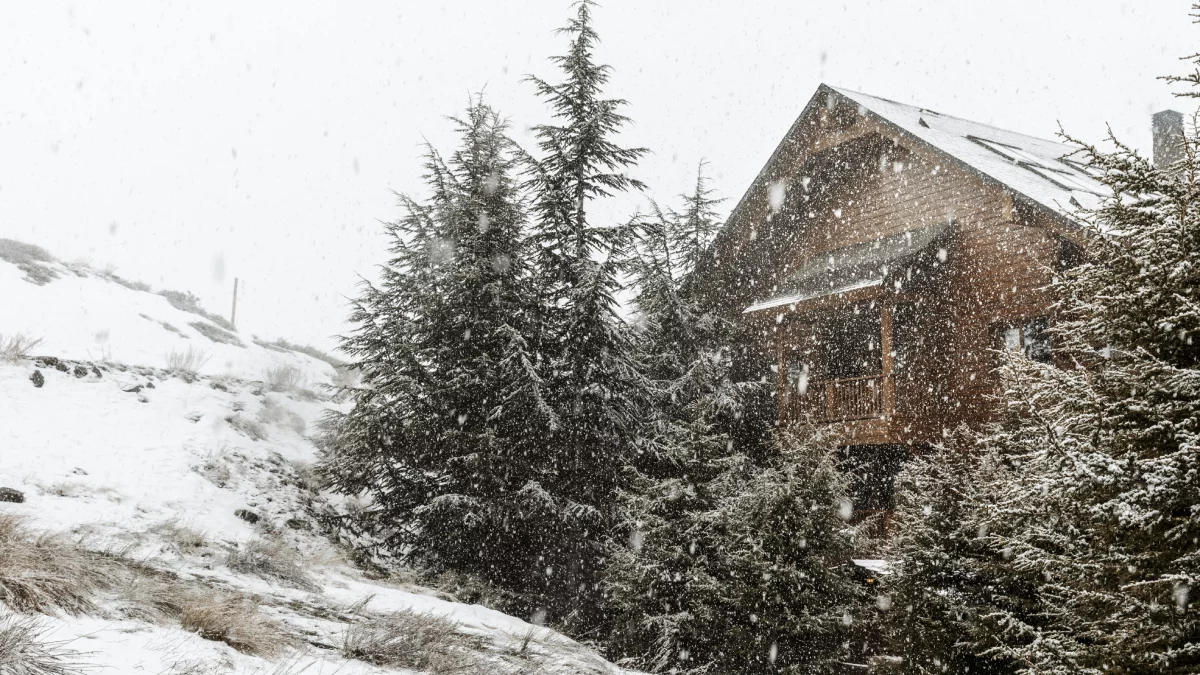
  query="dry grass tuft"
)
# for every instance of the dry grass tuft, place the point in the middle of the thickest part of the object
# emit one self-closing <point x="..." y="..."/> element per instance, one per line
<point x="271" y="558"/>
<point x="146" y="595"/>
<point x="422" y="641"/>
<point x="24" y="650"/>
<point x="16" y="347"/>
<point x="183" y="538"/>
<point x="234" y="620"/>
<point x="284" y="378"/>
<point x="187" y="362"/>
<point x="44" y="573"/>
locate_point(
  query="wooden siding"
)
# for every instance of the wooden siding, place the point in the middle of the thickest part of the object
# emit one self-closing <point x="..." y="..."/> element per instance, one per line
<point x="999" y="265"/>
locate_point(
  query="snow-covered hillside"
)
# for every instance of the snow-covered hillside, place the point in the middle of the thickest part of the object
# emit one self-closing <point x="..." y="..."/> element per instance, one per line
<point x="200" y="482"/>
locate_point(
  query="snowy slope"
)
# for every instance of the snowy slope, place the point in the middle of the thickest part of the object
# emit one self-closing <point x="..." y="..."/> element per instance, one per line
<point x="125" y="456"/>
<point x="85" y="315"/>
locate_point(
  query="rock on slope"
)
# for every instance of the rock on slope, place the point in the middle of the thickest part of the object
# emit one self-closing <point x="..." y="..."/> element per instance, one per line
<point x="203" y="480"/>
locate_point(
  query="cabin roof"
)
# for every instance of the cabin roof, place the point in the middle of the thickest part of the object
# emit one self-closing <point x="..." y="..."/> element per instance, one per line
<point x="1039" y="169"/>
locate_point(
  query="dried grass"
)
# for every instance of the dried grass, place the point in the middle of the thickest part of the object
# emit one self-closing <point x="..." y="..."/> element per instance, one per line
<point x="234" y="620"/>
<point x="421" y="641"/>
<point x="283" y="378"/>
<point x="24" y="649"/>
<point x="15" y="347"/>
<point x="188" y="362"/>
<point x="46" y="573"/>
<point x="271" y="558"/>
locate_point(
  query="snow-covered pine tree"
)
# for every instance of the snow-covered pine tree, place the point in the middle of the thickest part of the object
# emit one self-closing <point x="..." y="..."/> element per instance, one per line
<point x="443" y="434"/>
<point x="747" y="572"/>
<point x="592" y="380"/>
<point x="1099" y="517"/>
<point x="941" y="597"/>
<point x="726" y="562"/>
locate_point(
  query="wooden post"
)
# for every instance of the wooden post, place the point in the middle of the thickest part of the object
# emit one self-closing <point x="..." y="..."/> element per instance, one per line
<point x="889" y="359"/>
<point x="233" y="313"/>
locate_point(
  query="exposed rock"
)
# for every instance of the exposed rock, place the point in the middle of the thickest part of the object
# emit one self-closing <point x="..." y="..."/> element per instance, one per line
<point x="298" y="524"/>
<point x="45" y="361"/>
<point x="11" y="495"/>
<point x="149" y="385"/>
<point x="80" y="371"/>
<point x="62" y="367"/>
<point x="143" y="399"/>
<point x="218" y="385"/>
<point x="96" y="372"/>
<point x="132" y="389"/>
<point x="37" y="378"/>
<point x="248" y="516"/>
<point x="79" y="472"/>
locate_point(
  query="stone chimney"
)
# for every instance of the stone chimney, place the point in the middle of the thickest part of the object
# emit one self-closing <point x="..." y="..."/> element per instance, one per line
<point x="1168" y="137"/>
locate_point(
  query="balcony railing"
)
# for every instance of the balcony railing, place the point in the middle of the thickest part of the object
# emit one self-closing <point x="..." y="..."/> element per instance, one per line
<point x="854" y="398"/>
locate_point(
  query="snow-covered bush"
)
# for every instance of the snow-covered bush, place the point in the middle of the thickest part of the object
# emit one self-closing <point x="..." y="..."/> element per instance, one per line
<point x="29" y="259"/>
<point x="216" y="334"/>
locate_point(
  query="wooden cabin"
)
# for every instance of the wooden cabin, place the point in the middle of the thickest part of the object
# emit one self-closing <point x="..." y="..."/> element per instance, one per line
<point x="880" y="258"/>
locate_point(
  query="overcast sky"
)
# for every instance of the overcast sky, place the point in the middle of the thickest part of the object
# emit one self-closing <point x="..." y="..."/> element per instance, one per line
<point x="188" y="143"/>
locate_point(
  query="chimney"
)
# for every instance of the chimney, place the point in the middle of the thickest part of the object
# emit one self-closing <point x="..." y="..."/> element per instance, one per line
<point x="1168" y="137"/>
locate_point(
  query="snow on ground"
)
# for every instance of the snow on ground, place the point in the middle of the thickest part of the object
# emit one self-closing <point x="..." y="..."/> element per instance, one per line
<point x="129" y="457"/>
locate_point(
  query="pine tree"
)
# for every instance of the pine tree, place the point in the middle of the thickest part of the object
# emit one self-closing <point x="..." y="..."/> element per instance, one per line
<point x="941" y="592"/>
<point x="747" y="572"/>
<point x="442" y="436"/>
<point x="727" y="561"/>
<point x="1092" y="536"/>
<point x="592" y="379"/>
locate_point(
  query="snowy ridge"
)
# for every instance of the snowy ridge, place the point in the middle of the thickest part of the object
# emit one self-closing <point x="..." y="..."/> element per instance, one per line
<point x="125" y="456"/>
<point x="85" y="315"/>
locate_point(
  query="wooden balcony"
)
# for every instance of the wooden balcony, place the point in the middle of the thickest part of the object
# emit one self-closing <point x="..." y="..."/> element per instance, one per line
<point x="854" y="398"/>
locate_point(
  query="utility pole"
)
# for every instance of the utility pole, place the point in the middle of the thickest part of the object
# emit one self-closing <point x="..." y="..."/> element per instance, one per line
<point x="233" y="314"/>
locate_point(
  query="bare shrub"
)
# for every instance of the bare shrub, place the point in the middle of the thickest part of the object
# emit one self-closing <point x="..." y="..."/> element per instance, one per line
<point x="283" y="378"/>
<point x="273" y="413"/>
<point x="29" y="259"/>
<point x="216" y="334"/>
<point x="16" y="347"/>
<point x="234" y="620"/>
<point x="24" y="649"/>
<point x="271" y="558"/>
<point x="421" y="641"/>
<point x="247" y="427"/>
<point x="43" y="573"/>
<point x="187" y="362"/>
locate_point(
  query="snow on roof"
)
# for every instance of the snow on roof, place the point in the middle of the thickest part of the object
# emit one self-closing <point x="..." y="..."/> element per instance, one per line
<point x="1036" y="168"/>
<point x="880" y="567"/>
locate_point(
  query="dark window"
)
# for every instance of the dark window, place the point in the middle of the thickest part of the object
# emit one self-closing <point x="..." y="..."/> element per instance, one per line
<point x="1031" y="337"/>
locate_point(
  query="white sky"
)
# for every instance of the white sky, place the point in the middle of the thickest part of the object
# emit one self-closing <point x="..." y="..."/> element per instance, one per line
<point x="187" y="143"/>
